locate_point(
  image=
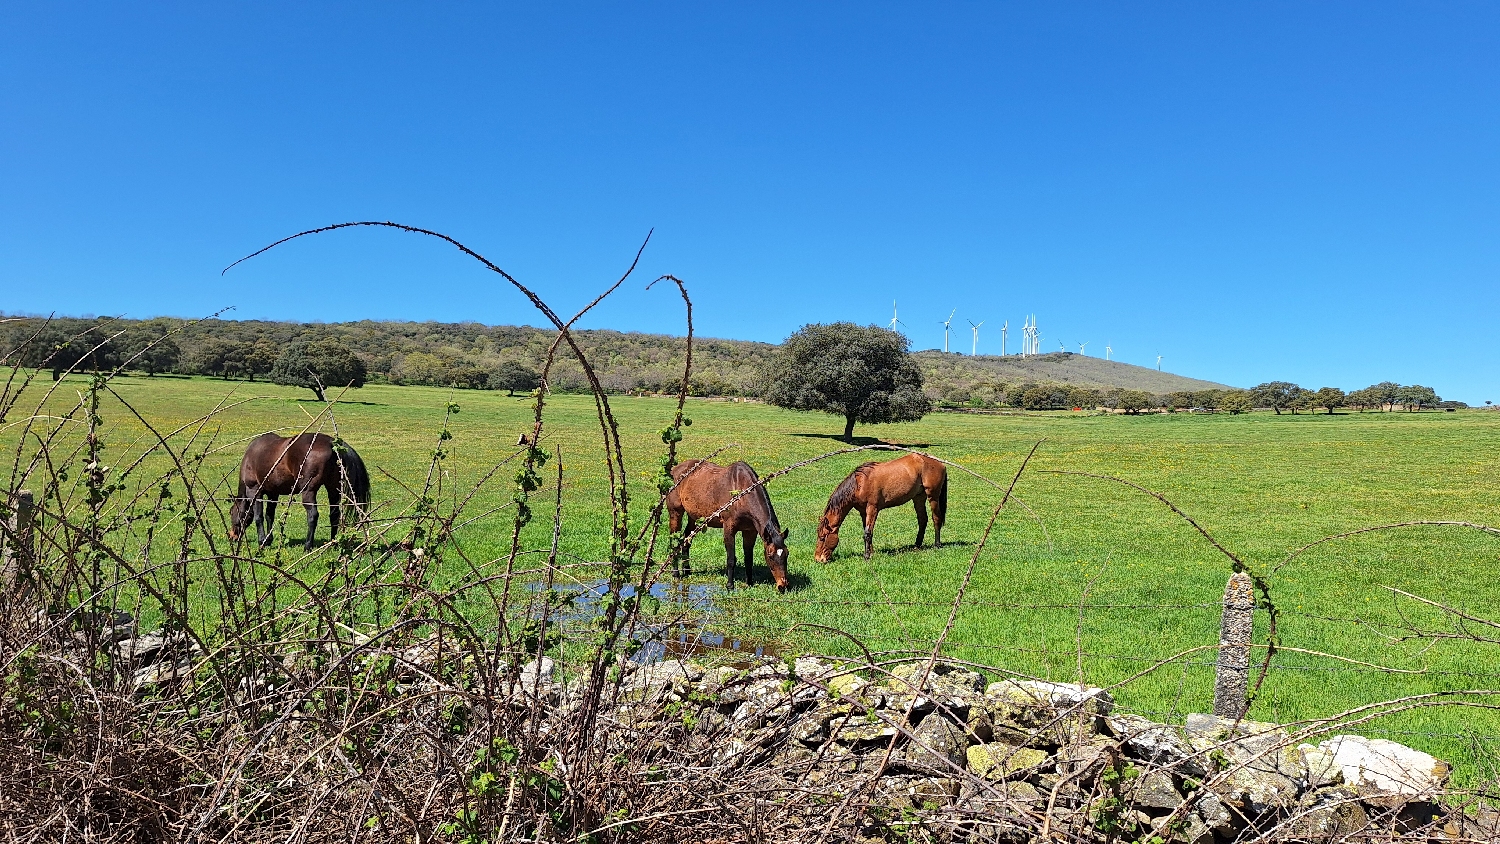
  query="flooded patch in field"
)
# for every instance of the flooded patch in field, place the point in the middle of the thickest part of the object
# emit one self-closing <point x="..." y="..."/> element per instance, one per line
<point x="681" y="623"/>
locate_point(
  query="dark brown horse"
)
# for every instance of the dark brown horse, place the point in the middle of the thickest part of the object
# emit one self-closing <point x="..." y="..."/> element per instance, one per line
<point x="275" y="466"/>
<point x="875" y="486"/>
<point x="704" y="488"/>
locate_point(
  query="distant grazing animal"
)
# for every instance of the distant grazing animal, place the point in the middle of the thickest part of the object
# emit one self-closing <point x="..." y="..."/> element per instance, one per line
<point x="275" y="466"/>
<point x="703" y="488"/>
<point x="875" y="486"/>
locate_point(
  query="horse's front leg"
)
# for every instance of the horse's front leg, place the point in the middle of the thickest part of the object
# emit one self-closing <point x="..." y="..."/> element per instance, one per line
<point x="258" y="514"/>
<point x="869" y="519"/>
<point x="749" y="558"/>
<point x="310" y="503"/>
<point x="265" y="520"/>
<point x="920" y="502"/>
<point x="729" y="538"/>
<point x="682" y="564"/>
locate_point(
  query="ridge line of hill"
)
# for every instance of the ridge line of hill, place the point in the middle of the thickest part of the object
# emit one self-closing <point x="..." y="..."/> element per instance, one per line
<point x="471" y="354"/>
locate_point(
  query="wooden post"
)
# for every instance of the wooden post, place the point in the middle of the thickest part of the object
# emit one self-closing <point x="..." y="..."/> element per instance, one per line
<point x="18" y="544"/>
<point x="1232" y="673"/>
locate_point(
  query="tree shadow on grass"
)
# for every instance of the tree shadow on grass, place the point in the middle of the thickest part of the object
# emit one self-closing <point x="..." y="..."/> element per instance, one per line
<point x="795" y="580"/>
<point x="863" y="440"/>
<point x="858" y="554"/>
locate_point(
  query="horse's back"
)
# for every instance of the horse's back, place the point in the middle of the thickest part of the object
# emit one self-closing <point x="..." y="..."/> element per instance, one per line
<point x="703" y="488"/>
<point x="275" y="461"/>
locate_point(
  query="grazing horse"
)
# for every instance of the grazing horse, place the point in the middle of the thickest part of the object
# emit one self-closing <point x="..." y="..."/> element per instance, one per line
<point x="275" y="466"/>
<point x="875" y="486"/>
<point x="703" y="488"/>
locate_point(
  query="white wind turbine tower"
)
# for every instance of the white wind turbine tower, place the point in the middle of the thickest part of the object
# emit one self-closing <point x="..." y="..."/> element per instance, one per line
<point x="1158" y="363"/>
<point x="1061" y="347"/>
<point x="1003" y="330"/>
<point x="945" y="329"/>
<point x="1081" y="347"/>
<point x="894" y="321"/>
<point x="975" y="350"/>
<point x="1107" y="351"/>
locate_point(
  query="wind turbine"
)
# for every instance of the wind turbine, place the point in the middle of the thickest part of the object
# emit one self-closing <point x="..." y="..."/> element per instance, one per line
<point x="1061" y="347"/>
<point x="975" y="350"/>
<point x="894" y="321"/>
<point x="945" y="330"/>
<point x="1080" y="348"/>
<point x="1158" y="363"/>
<point x="1003" y="329"/>
<point x="1107" y="351"/>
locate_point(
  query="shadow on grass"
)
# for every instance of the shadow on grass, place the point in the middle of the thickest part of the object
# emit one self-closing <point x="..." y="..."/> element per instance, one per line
<point x="795" y="580"/>
<point x="862" y="440"/>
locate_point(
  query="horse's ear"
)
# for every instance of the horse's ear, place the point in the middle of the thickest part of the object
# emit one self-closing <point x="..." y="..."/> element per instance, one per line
<point x="785" y="534"/>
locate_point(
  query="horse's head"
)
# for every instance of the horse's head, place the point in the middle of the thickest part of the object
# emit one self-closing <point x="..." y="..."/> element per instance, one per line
<point x="828" y="540"/>
<point x="776" y="556"/>
<point x="240" y="515"/>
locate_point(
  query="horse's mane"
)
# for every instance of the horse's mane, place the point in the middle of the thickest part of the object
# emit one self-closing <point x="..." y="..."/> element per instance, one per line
<point x="843" y="494"/>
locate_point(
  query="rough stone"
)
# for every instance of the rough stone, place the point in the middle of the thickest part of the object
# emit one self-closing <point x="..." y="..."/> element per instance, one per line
<point x="1322" y="768"/>
<point x="1084" y="759"/>
<point x="856" y="690"/>
<point x="765" y="700"/>
<point x="916" y="792"/>
<point x="997" y="794"/>
<point x="812" y="728"/>
<point x="1160" y="745"/>
<point x="535" y="670"/>
<point x="1186" y="829"/>
<point x="1005" y="761"/>
<point x="1259" y="791"/>
<point x="160" y="673"/>
<point x="859" y="729"/>
<point x="1265" y="773"/>
<point x="1155" y="790"/>
<point x="813" y="669"/>
<point x="1329" y="815"/>
<point x="1378" y="766"/>
<point x="937" y="744"/>
<point x="148" y="647"/>
<point x="1216" y="816"/>
<point x="657" y="681"/>
<point x="1039" y="693"/>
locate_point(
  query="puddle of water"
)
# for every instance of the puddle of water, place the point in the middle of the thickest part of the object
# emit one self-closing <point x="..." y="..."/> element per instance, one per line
<point x="696" y="607"/>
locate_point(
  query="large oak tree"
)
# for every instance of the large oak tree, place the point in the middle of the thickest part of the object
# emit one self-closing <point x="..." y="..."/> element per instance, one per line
<point x="862" y="373"/>
<point x="319" y="365"/>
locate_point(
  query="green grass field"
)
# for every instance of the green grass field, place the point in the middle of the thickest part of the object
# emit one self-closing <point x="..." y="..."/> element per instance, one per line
<point x="1261" y="484"/>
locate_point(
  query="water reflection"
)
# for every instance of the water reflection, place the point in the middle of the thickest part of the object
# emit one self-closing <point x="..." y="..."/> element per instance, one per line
<point x="687" y="610"/>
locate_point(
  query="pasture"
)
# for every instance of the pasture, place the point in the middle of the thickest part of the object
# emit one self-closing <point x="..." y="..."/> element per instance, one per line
<point x="1080" y="575"/>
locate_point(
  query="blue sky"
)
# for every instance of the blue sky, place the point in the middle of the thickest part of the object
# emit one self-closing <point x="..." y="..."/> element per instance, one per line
<point x="1254" y="191"/>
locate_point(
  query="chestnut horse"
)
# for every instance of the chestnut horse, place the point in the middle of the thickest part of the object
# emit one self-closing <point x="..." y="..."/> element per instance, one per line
<point x="275" y="466"/>
<point x="875" y="486"/>
<point x="703" y="488"/>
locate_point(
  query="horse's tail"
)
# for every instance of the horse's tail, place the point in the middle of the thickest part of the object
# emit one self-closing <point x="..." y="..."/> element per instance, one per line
<point x="356" y="478"/>
<point x="940" y="500"/>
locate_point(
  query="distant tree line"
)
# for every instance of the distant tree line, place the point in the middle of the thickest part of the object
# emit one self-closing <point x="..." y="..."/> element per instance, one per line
<point x="461" y="355"/>
<point x="1278" y="396"/>
<point x="321" y="356"/>
<point x="1385" y="396"/>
